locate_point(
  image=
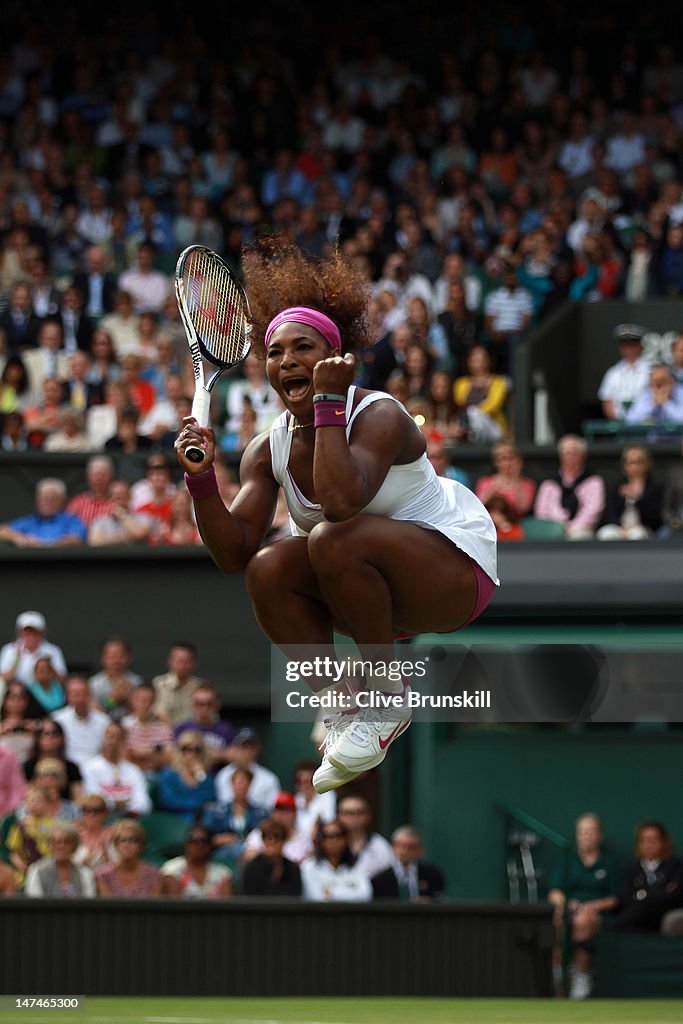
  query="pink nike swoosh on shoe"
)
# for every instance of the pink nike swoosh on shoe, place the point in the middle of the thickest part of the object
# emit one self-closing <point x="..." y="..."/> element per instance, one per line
<point x="383" y="744"/>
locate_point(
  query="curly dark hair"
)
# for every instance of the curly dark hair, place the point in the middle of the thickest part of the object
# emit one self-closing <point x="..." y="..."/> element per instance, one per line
<point x="278" y="275"/>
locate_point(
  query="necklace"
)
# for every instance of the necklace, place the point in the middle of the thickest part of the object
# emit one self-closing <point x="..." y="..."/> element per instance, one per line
<point x="298" y="426"/>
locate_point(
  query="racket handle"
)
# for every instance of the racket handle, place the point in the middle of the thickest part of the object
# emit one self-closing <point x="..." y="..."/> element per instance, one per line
<point x="200" y="411"/>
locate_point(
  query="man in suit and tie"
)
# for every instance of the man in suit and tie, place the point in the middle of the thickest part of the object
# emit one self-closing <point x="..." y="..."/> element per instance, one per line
<point x="409" y="878"/>
<point x="18" y="321"/>
<point x="76" y="324"/>
<point x="48" y="360"/>
<point x="96" y="285"/>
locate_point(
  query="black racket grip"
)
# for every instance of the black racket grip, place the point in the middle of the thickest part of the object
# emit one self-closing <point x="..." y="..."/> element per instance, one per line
<point x="194" y="454"/>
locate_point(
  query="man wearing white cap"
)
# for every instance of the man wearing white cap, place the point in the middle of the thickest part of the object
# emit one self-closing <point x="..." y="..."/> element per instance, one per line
<point x="18" y="657"/>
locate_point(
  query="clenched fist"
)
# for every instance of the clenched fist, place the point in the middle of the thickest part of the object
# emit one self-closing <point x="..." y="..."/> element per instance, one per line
<point x="334" y="375"/>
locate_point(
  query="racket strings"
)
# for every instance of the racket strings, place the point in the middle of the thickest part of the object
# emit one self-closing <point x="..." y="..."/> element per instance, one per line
<point x="216" y="307"/>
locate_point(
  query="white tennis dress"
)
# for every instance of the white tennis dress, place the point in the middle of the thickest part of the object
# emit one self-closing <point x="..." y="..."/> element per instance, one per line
<point x="413" y="493"/>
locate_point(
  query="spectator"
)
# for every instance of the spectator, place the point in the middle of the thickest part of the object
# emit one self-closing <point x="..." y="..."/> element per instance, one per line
<point x="372" y="851"/>
<point x="96" y="284"/>
<point x="182" y="527"/>
<point x="120" y="783"/>
<point x="312" y="809"/>
<point x="113" y="685"/>
<point x="143" y="491"/>
<point x="186" y="785"/>
<point x="218" y="734"/>
<point x="122" y="325"/>
<point x="42" y="418"/>
<point x="633" y="509"/>
<point x="270" y="873"/>
<point x="47" y="360"/>
<point x="508" y="313"/>
<point x="50" y="742"/>
<point x="652" y="883"/>
<point x="8" y="880"/>
<point x="102" y="420"/>
<point x="127" y="438"/>
<point x="409" y="877"/>
<point x="197" y="875"/>
<point x="94" y="846"/>
<point x="139" y="391"/>
<point x="70" y="435"/>
<point x="174" y="688"/>
<point x="519" y="491"/>
<point x="28" y="837"/>
<point x="130" y="875"/>
<point x="14" y="385"/>
<point x="83" y="724"/>
<point x="581" y="891"/>
<point x="147" y="287"/>
<point x="483" y="394"/>
<point x="122" y="525"/>
<point x="13" y="433"/>
<point x="12" y="781"/>
<point x="50" y="778"/>
<point x="438" y="455"/>
<point x="19" y="719"/>
<point x="661" y="401"/>
<point x="18" y="657"/>
<point x="254" y="388"/>
<point x="462" y="325"/>
<point x="150" y="741"/>
<point x="81" y="389"/>
<point x="628" y="377"/>
<point x="231" y="823"/>
<point x="45" y="686"/>
<point x="18" y="321"/>
<point x="50" y="525"/>
<point x="574" y="496"/>
<point x="676" y="359"/>
<point x="298" y="845"/>
<point x="331" y="872"/>
<point x="105" y="366"/>
<point x="77" y="327"/>
<point x="160" y="504"/>
<point x="669" y="261"/>
<point x="95" y="500"/>
<point x="245" y="751"/>
<point x="506" y="520"/>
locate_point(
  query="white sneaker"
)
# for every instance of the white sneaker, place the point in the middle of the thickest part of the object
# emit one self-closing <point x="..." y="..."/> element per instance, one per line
<point x="363" y="744"/>
<point x="581" y="986"/>
<point x="328" y="776"/>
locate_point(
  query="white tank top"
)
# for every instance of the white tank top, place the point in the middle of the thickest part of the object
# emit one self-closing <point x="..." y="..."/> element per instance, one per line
<point x="412" y="492"/>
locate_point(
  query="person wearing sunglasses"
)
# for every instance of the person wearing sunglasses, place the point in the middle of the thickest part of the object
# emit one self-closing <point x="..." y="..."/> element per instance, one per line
<point x="49" y="741"/>
<point x="186" y="785"/>
<point x="58" y="875"/>
<point x="197" y="875"/>
<point x="131" y="875"/>
<point x="331" y="873"/>
<point x="94" y="830"/>
<point x="218" y="734"/>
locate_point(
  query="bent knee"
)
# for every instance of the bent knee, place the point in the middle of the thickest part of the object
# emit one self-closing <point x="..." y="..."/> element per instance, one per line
<point x="332" y="546"/>
<point x="269" y="565"/>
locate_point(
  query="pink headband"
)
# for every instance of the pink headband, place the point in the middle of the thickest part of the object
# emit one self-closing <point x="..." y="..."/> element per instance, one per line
<point x="311" y="317"/>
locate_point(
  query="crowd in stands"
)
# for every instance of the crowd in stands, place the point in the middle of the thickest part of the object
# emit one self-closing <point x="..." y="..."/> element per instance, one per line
<point x="481" y="176"/>
<point x="90" y="764"/>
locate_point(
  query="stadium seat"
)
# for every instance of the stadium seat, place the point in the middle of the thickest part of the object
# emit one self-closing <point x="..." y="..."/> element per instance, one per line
<point x="165" y="835"/>
<point x="541" y="529"/>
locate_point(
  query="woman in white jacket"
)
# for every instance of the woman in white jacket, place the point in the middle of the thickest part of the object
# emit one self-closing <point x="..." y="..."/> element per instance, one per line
<point x="331" y="872"/>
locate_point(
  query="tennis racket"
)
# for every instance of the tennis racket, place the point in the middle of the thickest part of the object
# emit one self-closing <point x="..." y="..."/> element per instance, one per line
<point x="215" y="313"/>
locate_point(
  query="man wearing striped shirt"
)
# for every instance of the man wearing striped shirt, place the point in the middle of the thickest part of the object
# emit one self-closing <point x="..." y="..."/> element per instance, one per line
<point x="149" y="740"/>
<point x="96" y="500"/>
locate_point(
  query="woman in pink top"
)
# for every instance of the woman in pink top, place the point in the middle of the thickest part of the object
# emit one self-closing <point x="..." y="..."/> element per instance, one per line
<point x="131" y="876"/>
<point x="507" y="482"/>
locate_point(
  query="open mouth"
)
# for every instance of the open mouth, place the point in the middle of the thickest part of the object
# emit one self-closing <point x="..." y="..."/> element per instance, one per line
<point x="296" y="387"/>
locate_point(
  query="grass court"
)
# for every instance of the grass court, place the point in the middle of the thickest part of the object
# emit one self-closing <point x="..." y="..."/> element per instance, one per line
<point x="355" y="1011"/>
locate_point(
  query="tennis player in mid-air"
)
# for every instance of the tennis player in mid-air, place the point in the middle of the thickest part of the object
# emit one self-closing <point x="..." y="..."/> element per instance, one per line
<point x="381" y="546"/>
